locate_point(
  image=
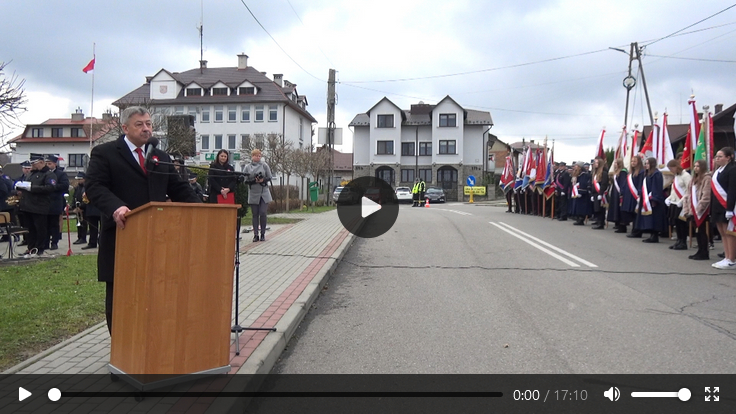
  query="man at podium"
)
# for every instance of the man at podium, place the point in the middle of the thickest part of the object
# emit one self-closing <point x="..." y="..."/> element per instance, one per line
<point x="123" y="175"/>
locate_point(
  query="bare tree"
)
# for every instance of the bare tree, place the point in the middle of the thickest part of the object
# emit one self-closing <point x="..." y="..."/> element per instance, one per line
<point x="12" y="99"/>
<point x="318" y="163"/>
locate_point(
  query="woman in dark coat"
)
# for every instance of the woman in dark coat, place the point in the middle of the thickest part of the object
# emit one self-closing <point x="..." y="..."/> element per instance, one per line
<point x="221" y="178"/>
<point x="630" y="196"/>
<point x="652" y="221"/>
<point x="581" y="204"/>
<point x="598" y="191"/>
<point x="723" y="201"/>
<point x="617" y="176"/>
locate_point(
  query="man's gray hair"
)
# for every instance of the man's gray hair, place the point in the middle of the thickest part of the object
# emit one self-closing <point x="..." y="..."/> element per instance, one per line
<point x="130" y="111"/>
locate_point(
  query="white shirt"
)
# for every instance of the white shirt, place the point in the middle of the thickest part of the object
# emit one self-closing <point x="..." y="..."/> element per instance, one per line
<point x="132" y="148"/>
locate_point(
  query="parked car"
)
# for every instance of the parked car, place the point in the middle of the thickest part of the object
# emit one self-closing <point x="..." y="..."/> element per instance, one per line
<point x="336" y="193"/>
<point x="344" y="195"/>
<point x="373" y="194"/>
<point x="434" y="194"/>
<point x="403" y="194"/>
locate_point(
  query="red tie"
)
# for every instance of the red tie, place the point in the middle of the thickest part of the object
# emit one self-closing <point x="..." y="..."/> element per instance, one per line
<point x="141" y="160"/>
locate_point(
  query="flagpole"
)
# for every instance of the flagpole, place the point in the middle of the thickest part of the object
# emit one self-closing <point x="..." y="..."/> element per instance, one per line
<point x="92" y="103"/>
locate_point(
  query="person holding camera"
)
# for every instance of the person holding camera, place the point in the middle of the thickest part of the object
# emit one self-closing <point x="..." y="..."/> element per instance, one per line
<point x="221" y="180"/>
<point x="259" y="174"/>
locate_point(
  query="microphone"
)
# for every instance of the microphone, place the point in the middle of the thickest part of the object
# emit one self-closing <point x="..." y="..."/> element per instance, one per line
<point x="150" y="145"/>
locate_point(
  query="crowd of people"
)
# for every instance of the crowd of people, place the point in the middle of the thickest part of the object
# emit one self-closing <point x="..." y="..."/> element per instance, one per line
<point x="669" y="202"/>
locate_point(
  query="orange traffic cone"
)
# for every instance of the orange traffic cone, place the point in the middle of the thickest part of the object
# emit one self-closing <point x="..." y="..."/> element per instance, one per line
<point x="426" y="204"/>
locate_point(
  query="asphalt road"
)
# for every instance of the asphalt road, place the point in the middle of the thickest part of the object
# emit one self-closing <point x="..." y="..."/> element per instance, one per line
<point x="449" y="289"/>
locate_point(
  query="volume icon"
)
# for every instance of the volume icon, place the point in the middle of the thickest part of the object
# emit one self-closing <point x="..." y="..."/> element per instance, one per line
<point x="612" y="394"/>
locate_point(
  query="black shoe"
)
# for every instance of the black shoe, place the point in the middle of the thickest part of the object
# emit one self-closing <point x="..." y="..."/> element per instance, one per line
<point x="620" y="229"/>
<point x="54" y="246"/>
<point x="562" y="219"/>
<point x="4" y="239"/>
<point x="578" y="223"/>
<point x="654" y="238"/>
<point x="255" y="238"/>
<point x="680" y="245"/>
<point x="698" y="256"/>
<point x="673" y="246"/>
<point x="87" y="247"/>
<point x="600" y="226"/>
<point x="722" y="255"/>
<point x="263" y="237"/>
<point x="634" y="236"/>
<point x="80" y="241"/>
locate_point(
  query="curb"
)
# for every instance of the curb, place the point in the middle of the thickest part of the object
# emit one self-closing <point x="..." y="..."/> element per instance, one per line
<point x="44" y="353"/>
<point x="263" y="359"/>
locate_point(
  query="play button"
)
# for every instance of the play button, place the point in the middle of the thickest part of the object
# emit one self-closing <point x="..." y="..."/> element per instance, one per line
<point x="367" y="207"/>
<point x="23" y="393"/>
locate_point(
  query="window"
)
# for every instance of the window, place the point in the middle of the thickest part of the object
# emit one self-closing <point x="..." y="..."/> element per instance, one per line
<point x="206" y="114"/>
<point x="37" y="132"/>
<point x="193" y="113"/>
<point x="447" y="147"/>
<point x="194" y="91"/>
<point x="57" y="132"/>
<point x="77" y="160"/>
<point x="386" y="174"/>
<point x="448" y="120"/>
<point x="301" y="131"/>
<point x="77" y="132"/>
<point x="247" y="91"/>
<point x="385" y="121"/>
<point x="232" y="113"/>
<point x="218" y="113"/>
<point x="231" y="142"/>
<point x="407" y="176"/>
<point x="245" y="114"/>
<point x="245" y="141"/>
<point x="385" y="147"/>
<point x="273" y="113"/>
<point x="426" y="175"/>
<point x="447" y="175"/>
<point x="178" y="110"/>
<point x="425" y="148"/>
<point x="219" y="91"/>
<point x="407" y="148"/>
<point x="218" y="142"/>
<point x="259" y="113"/>
<point x="205" y="142"/>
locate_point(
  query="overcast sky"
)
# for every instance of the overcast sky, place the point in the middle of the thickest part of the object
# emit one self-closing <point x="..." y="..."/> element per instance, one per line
<point x="568" y="100"/>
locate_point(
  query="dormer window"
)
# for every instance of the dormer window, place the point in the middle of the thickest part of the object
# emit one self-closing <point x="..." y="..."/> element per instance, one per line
<point x="194" y="91"/>
<point x="219" y="91"/>
<point x="249" y="90"/>
<point x="57" y="132"/>
<point x="77" y="133"/>
<point x="37" y="132"/>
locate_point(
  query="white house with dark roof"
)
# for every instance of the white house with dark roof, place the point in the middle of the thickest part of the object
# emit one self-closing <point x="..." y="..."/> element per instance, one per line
<point x="230" y="105"/>
<point x="442" y="143"/>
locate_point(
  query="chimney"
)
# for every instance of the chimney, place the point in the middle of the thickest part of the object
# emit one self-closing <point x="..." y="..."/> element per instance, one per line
<point x="107" y="115"/>
<point x="78" y="115"/>
<point x="202" y="64"/>
<point x="719" y="108"/>
<point x="263" y="73"/>
<point x="148" y="79"/>
<point x="278" y="78"/>
<point x="242" y="61"/>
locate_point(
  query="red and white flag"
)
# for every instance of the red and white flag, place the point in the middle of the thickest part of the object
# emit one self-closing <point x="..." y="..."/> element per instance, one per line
<point x="621" y="148"/>
<point x="691" y="142"/>
<point x="647" y="149"/>
<point x="90" y="66"/>
<point x="662" y="146"/>
<point x="600" y="152"/>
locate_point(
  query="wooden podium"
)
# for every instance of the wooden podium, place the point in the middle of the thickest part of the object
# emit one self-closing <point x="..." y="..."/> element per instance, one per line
<point x="172" y="303"/>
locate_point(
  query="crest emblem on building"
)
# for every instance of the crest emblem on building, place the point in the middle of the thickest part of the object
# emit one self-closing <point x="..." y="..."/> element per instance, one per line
<point x="163" y="89"/>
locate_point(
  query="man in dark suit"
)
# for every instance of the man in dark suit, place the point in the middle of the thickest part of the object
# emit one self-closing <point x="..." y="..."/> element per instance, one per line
<point x="118" y="181"/>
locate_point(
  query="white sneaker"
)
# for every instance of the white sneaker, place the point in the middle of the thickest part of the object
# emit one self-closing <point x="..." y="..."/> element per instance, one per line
<point x="31" y="254"/>
<point x="727" y="265"/>
<point x="722" y="262"/>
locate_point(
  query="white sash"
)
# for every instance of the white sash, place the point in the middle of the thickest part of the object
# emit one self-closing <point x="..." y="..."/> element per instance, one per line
<point x="677" y="188"/>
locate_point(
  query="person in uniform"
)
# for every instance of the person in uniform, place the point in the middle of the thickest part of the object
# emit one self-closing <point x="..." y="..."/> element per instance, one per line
<point x="80" y="207"/>
<point x="696" y="207"/>
<point x="562" y="189"/>
<point x="35" y="202"/>
<point x="582" y="207"/>
<point x="196" y="186"/>
<point x="22" y="216"/>
<point x="599" y="191"/>
<point x="92" y="216"/>
<point x="617" y="176"/>
<point x="631" y="192"/>
<point x="674" y="203"/>
<point x="415" y="193"/>
<point x="58" y="202"/>
<point x="654" y="220"/>
<point x="422" y="191"/>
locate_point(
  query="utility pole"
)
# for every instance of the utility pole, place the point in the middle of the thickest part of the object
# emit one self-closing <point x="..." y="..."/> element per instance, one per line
<point x="644" y="82"/>
<point x="331" y="100"/>
<point x="628" y="86"/>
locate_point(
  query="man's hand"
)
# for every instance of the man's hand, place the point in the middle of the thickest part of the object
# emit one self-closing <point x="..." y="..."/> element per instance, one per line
<point x="119" y="216"/>
<point x="224" y="191"/>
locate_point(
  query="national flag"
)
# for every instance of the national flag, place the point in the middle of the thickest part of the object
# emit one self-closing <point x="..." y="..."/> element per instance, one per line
<point x="601" y="153"/>
<point x="523" y="168"/>
<point x="542" y="169"/>
<point x="621" y="150"/>
<point x="90" y="66"/>
<point x="507" y="178"/>
<point x="632" y="149"/>
<point x="693" y="133"/>
<point x="647" y="149"/>
<point x="549" y="187"/>
<point x="709" y="142"/>
<point x="663" y="145"/>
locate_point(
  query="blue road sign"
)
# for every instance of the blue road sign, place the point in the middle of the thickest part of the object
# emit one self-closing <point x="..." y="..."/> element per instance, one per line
<point x="470" y="181"/>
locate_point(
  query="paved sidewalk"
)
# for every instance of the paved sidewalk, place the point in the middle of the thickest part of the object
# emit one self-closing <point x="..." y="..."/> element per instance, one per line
<point x="279" y="280"/>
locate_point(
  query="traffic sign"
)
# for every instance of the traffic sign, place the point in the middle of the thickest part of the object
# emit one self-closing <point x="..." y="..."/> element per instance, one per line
<point x="470" y="181"/>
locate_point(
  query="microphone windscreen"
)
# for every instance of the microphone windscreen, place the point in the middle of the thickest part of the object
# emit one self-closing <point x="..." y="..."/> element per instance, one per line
<point x="153" y="141"/>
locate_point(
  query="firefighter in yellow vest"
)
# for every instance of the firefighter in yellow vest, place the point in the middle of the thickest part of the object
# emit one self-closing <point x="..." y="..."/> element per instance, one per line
<point x="415" y="193"/>
<point x="422" y="190"/>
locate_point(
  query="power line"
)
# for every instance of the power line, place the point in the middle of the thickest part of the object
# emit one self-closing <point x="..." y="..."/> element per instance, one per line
<point x="305" y="26"/>
<point x="277" y="43"/>
<point x="696" y="59"/>
<point x="694" y="24"/>
<point x="478" y="71"/>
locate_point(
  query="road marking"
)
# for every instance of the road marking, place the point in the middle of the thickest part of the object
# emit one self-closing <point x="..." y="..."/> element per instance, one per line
<point x="570" y="255"/>
<point x="455" y="211"/>
<point x="555" y="255"/>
